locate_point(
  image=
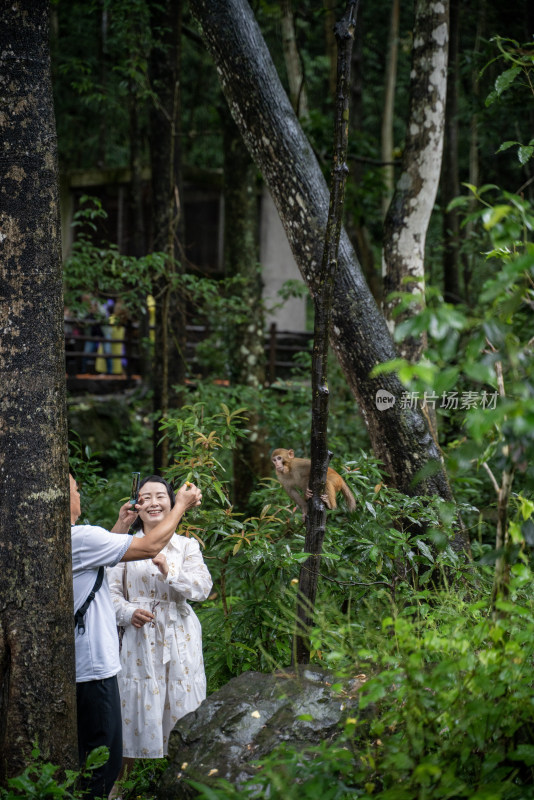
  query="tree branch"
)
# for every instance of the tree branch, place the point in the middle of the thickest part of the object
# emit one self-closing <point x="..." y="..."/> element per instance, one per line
<point x="320" y="455"/>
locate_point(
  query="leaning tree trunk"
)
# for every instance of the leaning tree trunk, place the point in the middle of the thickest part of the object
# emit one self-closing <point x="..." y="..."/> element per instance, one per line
<point x="37" y="675"/>
<point x="165" y="150"/>
<point x="406" y="223"/>
<point x="399" y="435"/>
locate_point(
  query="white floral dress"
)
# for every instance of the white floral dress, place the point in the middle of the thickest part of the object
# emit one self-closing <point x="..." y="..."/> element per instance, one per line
<point x="162" y="675"/>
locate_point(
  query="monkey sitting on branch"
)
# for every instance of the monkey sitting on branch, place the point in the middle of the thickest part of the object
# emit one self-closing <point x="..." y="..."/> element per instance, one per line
<point x="294" y="473"/>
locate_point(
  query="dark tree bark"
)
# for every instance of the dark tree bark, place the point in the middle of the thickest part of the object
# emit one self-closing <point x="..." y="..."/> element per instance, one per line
<point x="399" y="435"/>
<point x="406" y="223"/>
<point x="450" y="181"/>
<point x="329" y="7"/>
<point x="356" y="223"/>
<point x="37" y="675"/>
<point x="320" y="455"/>
<point x="165" y="156"/>
<point x="468" y="259"/>
<point x="244" y="337"/>
<point x="390" y="84"/>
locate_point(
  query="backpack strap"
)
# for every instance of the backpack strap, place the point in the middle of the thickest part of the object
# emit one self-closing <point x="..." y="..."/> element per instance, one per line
<point x="80" y="614"/>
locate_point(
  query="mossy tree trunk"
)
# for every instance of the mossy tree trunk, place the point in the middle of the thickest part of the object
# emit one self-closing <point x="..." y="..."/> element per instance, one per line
<point x="399" y="435"/>
<point x="37" y="673"/>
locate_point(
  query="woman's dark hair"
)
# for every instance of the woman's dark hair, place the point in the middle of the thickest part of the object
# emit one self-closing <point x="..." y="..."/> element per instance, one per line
<point x="138" y="524"/>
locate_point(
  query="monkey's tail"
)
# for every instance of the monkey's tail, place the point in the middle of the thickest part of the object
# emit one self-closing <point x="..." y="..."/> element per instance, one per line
<point x="349" y="497"/>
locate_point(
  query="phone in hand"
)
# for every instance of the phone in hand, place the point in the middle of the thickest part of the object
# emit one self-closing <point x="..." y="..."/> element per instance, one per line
<point x="134" y="494"/>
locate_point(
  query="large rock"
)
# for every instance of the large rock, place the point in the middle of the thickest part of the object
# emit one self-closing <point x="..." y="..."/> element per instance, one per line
<point x="247" y="719"/>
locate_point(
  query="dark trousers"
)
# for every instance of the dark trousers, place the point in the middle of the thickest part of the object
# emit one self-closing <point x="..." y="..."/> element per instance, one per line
<point x="99" y="723"/>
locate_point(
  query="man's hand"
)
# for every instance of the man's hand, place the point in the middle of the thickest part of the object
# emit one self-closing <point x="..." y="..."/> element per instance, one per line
<point x="127" y="516"/>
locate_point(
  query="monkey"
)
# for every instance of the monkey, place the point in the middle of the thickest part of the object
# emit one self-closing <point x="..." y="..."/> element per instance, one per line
<point x="295" y="472"/>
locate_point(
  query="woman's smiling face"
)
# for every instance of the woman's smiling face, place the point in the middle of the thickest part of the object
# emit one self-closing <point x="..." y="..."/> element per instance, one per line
<point x="156" y="504"/>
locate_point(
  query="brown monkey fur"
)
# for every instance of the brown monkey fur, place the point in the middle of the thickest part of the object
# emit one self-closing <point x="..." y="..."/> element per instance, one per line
<point x="294" y="473"/>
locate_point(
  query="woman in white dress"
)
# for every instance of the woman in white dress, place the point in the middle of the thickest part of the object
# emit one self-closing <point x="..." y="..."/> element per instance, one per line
<point x="162" y="675"/>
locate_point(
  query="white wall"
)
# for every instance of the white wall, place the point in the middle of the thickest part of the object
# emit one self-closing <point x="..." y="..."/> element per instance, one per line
<point x="278" y="266"/>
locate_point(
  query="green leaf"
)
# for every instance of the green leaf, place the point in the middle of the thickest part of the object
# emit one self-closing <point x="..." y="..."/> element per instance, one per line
<point x="524" y="753"/>
<point x="506" y="146"/>
<point x="425" y="550"/>
<point x="524" y="153"/>
<point x="370" y="507"/>
<point x="493" y="216"/>
<point x="506" y="78"/>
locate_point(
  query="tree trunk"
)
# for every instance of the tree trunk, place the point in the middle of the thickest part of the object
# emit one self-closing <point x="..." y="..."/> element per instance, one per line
<point x="356" y="223"/>
<point x="450" y="181"/>
<point x="165" y="156"/>
<point x="37" y="673"/>
<point x="406" y="223"/>
<point x="389" y="107"/>
<point x="295" y="76"/>
<point x="320" y="455"/>
<point x="399" y="435"/>
<point x="330" y="39"/>
<point x="245" y="338"/>
<point x="137" y="246"/>
<point x="474" y="172"/>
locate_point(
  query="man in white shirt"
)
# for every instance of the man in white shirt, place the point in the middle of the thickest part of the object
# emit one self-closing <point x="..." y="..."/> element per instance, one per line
<point x="96" y="640"/>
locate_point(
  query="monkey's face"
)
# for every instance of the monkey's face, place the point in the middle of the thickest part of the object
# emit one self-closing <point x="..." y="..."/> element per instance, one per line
<point x="279" y="464"/>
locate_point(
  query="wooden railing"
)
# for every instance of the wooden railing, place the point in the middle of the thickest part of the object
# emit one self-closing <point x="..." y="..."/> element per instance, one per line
<point x="119" y="353"/>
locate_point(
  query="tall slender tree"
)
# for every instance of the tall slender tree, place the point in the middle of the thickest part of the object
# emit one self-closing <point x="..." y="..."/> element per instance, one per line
<point x="168" y="220"/>
<point x="37" y="677"/>
<point x="406" y="223"/>
<point x="450" y="180"/>
<point x="389" y="105"/>
<point x="320" y="455"/>
<point x="245" y="335"/>
<point x="295" y="75"/>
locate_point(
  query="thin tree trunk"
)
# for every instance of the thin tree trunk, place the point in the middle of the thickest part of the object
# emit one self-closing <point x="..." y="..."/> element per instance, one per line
<point x="330" y="39"/>
<point x="450" y="180"/>
<point x="297" y="88"/>
<point x="389" y="107"/>
<point x="399" y="434"/>
<point x="356" y="223"/>
<point x="406" y="223"/>
<point x="165" y="150"/>
<point x="245" y="339"/>
<point x="320" y="456"/>
<point x="37" y="674"/>
<point x="138" y="244"/>
<point x="474" y="173"/>
<point x="103" y="75"/>
<point x="501" y="579"/>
